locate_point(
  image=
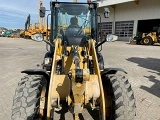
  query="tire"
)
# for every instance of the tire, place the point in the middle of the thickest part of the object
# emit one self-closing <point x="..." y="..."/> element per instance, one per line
<point x="147" y="40"/>
<point x="100" y="61"/>
<point x="120" y="96"/>
<point x="26" y="100"/>
<point x="152" y="43"/>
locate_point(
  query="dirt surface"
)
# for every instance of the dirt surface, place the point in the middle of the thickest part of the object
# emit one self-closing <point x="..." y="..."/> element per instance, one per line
<point x="142" y="63"/>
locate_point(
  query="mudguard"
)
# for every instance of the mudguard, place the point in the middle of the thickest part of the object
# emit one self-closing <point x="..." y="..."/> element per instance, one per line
<point x="36" y="72"/>
<point x="112" y="71"/>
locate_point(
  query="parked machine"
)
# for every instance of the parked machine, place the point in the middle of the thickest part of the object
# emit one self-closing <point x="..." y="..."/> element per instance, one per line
<point x="2" y="31"/>
<point x="39" y="27"/>
<point x="6" y="33"/>
<point x="73" y="77"/>
<point x="149" y="38"/>
<point x="28" y="29"/>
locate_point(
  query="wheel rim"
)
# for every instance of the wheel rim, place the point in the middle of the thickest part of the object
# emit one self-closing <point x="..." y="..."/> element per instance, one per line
<point x="146" y="40"/>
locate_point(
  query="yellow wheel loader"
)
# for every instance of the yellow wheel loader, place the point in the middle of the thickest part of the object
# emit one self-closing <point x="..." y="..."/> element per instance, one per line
<point x="148" y="38"/>
<point x="73" y="83"/>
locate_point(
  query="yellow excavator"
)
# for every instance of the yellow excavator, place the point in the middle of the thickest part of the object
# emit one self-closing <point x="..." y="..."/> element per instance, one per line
<point x="28" y="28"/>
<point x="73" y="82"/>
<point x="39" y="27"/>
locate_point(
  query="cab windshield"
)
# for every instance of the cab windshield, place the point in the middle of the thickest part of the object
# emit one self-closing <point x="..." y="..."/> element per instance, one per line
<point x="74" y="19"/>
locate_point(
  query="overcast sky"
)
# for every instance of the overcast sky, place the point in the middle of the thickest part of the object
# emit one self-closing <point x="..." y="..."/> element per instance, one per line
<point x="13" y="13"/>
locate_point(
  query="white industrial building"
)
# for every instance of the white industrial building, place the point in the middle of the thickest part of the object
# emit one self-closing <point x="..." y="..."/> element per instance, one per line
<point x="129" y="17"/>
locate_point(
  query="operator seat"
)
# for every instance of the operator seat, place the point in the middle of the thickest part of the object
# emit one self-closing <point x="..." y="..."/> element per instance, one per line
<point x="74" y="34"/>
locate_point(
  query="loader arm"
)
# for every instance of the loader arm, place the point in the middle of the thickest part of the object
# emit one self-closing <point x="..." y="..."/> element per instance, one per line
<point x="76" y="84"/>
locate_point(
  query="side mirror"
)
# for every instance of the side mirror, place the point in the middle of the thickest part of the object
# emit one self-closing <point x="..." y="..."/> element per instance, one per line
<point x="111" y="38"/>
<point x="106" y="12"/>
<point x="37" y="37"/>
<point x="42" y="12"/>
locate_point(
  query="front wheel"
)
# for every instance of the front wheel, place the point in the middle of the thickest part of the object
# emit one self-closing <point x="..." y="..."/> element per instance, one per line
<point x="119" y="98"/>
<point x="26" y="101"/>
<point x="147" y="40"/>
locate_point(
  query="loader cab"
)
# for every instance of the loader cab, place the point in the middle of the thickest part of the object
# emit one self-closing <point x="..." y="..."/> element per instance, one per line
<point x="74" y="23"/>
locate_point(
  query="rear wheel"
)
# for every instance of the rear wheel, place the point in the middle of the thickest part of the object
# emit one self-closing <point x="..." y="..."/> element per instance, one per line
<point x="26" y="101"/>
<point x="147" y="40"/>
<point x="120" y="102"/>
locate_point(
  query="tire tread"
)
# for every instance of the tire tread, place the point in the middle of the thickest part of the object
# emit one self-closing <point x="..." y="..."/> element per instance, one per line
<point x="123" y="96"/>
<point x="25" y="101"/>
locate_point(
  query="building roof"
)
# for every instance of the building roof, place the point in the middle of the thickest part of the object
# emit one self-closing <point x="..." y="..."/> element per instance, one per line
<point x="103" y="3"/>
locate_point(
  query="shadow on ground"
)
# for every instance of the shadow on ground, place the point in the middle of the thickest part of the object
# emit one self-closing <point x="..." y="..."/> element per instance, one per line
<point x="151" y="64"/>
<point x="148" y="63"/>
<point x="66" y="113"/>
<point x="155" y="88"/>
